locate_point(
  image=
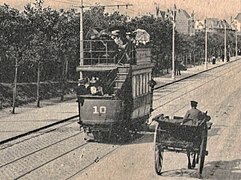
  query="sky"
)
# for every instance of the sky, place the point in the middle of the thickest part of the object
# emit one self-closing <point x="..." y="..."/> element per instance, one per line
<point x="223" y="9"/>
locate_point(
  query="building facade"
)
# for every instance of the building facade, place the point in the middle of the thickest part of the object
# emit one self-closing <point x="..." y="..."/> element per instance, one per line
<point x="237" y="23"/>
<point x="214" y="25"/>
<point x="184" y="23"/>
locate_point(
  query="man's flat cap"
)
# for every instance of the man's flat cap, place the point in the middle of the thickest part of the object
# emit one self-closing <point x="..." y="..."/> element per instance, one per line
<point x="194" y="103"/>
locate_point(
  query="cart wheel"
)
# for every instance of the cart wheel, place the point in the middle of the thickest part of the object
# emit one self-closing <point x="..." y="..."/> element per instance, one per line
<point x="159" y="151"/>
<point x="202" y="152"/>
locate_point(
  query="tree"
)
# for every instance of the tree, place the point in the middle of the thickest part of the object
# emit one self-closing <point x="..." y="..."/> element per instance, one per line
<point x="14" y="26"/>
<point x="42" y="21"/>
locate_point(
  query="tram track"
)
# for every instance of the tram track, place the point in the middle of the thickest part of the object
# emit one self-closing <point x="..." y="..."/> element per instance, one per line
<point x="29" y="149"/>
<point x="155" y="90"/>
<point x="51" y="160"/>
<point x="38" y="156"/>
<point x="191" y="84"/>
<point x="190" y="76"/>
<point x="71" y="145"/>
<point x="38" y="130"/>
<point x="193" y="88"/>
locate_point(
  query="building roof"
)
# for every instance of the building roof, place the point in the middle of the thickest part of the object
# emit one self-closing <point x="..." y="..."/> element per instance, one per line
<point x="238" y="17"/>
<point x="215" y="23"/>
<point x="184" y="12"/>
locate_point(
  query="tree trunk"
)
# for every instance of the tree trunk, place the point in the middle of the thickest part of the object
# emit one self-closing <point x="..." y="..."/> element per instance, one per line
<point x="194" y="58"/>
<point x="64" y="78"/>
<point x="38" y="85"/>
<point x="15" y="85"/>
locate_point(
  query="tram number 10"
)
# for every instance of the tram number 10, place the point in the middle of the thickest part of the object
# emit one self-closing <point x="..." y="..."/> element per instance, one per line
<point x="99" y="110"/>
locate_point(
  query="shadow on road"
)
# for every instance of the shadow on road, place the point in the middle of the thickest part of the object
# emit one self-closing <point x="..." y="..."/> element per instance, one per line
<point x="223" y="169"/>
<point x="180" y="173"/>
<point x="213" y="132"/>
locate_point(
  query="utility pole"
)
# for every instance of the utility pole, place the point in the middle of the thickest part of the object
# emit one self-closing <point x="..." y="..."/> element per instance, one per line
<point x="206" y="38"/>
<point x="236" y="43"/>
<point x="81" y="62"/>
<point x="173" y="41"/>
<point x="206" y="45"/>
<point x="225" y="42"/>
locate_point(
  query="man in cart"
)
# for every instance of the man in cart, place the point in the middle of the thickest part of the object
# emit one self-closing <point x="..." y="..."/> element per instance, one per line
<point x="193" y="113"/>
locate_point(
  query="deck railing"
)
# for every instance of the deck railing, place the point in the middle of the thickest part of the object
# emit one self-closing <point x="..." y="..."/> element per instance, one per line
<point x="100" y="52"/>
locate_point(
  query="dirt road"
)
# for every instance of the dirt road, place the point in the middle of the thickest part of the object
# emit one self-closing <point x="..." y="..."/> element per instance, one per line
<point x="219" y="92"/>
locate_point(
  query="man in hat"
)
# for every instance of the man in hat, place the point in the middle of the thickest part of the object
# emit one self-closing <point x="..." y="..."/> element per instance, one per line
<point x="193" y="113"/>
<point x="81" y="89"/>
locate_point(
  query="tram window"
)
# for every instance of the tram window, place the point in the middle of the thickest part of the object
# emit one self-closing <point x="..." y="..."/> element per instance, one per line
<point x="141" y="84"/>
<point x="149" y="78"/>
<point x="134" y="86"/>
<point x="144" y="83"/>
<point x="137" y="85"/>
<point x="147" y="85"/>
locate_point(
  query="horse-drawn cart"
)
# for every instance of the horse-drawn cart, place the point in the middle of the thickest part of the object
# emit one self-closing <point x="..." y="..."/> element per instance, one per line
<point x="181" y="135"/>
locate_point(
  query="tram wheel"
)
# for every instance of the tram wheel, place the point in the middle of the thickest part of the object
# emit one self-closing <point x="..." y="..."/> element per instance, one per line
<point x="122" y="135"/>
<point x="101" y="136"/>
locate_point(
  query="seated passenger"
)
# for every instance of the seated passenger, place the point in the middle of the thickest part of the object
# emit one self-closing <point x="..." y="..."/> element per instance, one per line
<point x="92" y="87"/>
<point x="81" y="89"/>
<point x="193" y="113"/>
<point x="99" y="87"/>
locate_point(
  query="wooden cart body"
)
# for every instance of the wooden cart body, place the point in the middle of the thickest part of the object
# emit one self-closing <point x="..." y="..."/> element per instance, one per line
<point x="181" y="135"/>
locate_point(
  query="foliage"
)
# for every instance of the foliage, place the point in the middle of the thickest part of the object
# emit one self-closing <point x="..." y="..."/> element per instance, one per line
<point x="51" y="38"/>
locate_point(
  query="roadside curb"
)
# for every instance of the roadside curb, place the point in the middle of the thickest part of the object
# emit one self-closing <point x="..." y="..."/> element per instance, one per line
<point x="172" y="82"/>
<point x="38" y="129"/>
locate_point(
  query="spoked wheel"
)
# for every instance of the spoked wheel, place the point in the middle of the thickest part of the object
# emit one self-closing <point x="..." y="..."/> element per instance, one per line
<point x="202" y="152"/>
<point x="159" y="151"/>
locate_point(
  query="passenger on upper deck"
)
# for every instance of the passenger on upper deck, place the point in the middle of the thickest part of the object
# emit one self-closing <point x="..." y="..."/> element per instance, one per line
<point x="130" y="48"/>
<point x="126" y="49"/>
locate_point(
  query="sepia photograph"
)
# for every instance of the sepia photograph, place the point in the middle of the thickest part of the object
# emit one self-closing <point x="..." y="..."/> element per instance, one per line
<point x="120" y="89"/>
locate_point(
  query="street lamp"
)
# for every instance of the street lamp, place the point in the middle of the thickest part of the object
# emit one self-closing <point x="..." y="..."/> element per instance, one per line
<point x="173" y="14"/>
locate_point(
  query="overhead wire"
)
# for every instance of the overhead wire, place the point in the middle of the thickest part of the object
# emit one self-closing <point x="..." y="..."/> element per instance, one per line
<point x="118" y="6"/>
<point x="65" y="2"/>
<point x="70" y="2"/>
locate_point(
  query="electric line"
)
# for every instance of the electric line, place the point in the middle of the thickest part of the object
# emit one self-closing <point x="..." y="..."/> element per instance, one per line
<point x="70" y="2"/>
<point x="112" y="5"/>
<point x="65" y="2"/>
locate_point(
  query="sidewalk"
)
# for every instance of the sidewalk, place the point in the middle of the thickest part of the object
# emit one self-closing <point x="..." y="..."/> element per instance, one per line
<point x="28" y="117"/>
<point x="167" y="78"/>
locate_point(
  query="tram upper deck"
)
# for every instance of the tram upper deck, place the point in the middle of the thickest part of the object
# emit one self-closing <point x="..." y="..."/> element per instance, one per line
<point x="114" y="66"/>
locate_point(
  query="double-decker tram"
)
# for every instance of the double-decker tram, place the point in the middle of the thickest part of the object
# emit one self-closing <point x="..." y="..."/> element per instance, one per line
<point x="115" y="94"/>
